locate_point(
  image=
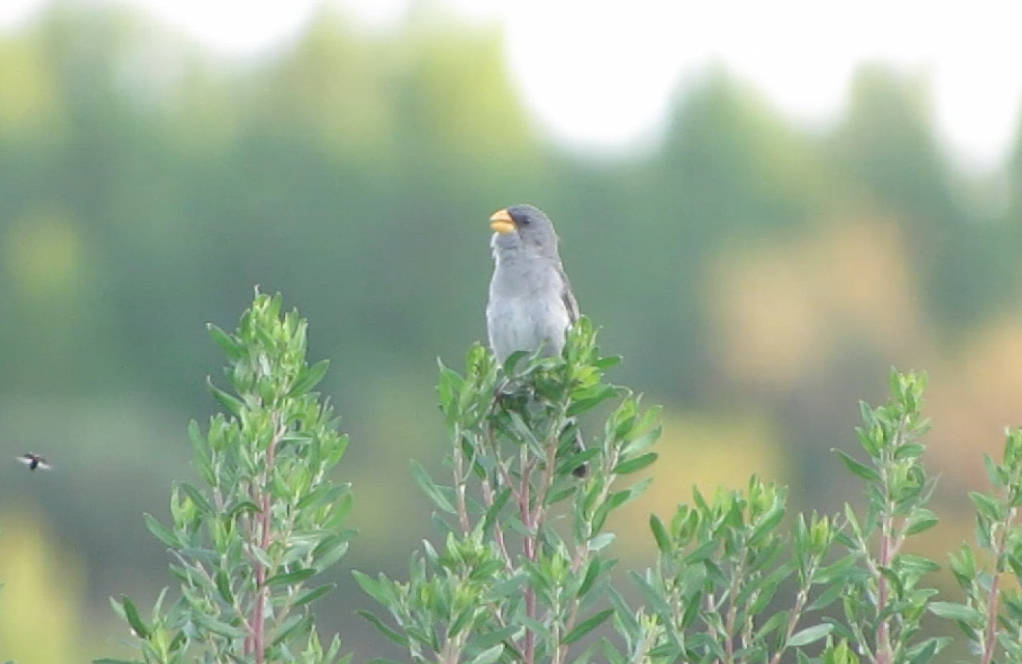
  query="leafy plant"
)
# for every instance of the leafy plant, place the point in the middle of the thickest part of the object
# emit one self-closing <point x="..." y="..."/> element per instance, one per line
<point x="523" y="562"/>
<point x="991" y="615"/>
<point x="883" y="598"/>
<point x="720" y="566"/>
<point x="248" y="545"/>
<point x="732" y="586"/>
<point x="521" y="571"/>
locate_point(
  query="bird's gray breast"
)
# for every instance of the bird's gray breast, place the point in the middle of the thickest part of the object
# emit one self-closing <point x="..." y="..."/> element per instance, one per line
<point x="526" y="309"/>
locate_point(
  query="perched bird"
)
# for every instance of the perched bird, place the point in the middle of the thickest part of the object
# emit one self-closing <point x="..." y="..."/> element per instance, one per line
<point x="33" y="461"/>
<point x="531" y="305"/>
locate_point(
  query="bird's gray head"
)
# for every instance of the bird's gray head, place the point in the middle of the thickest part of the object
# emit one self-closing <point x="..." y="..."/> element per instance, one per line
<point x="523" y="228"/>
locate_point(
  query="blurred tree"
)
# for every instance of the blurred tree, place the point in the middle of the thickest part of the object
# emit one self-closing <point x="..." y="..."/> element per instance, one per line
<point x="39" y="604"/>
<point x="146" y="186"/>
<point x="728" y="170"/>
<point x="886" y="145"/>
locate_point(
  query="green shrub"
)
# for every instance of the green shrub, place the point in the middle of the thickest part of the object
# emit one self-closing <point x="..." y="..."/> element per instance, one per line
<point x="523" y="572"/>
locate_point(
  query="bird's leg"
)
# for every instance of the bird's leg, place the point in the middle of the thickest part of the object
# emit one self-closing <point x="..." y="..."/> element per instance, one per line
<point x="502" y="386"/>
<point x="513" y="395"/>
<point x="582" y="470"/>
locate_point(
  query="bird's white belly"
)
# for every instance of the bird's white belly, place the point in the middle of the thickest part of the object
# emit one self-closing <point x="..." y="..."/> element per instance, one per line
<point x="526" y="324"/>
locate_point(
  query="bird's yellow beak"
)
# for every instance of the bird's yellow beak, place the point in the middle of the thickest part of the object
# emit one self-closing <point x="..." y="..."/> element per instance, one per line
<point x="501" y="221"/>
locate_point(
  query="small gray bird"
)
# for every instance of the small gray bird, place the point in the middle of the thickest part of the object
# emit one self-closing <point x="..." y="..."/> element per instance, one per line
<point x="531" y="304"/>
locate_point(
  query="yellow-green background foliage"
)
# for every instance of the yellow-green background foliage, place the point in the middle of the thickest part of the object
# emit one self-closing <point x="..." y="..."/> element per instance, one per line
<point x="758" y="277"/>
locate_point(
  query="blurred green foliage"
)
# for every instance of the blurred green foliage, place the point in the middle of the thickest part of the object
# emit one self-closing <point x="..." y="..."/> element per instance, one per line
<point x="40" y="620"/>
<point x="749" y="269"/>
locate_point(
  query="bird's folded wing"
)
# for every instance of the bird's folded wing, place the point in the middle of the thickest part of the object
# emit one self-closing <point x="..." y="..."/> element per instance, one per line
<point x="570" y="303"/>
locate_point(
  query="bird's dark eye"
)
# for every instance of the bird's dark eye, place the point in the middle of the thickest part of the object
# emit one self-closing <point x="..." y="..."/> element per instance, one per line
<point x="525" y="221"/>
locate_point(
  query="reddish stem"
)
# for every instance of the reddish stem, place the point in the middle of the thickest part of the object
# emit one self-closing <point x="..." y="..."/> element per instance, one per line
<point x="990" y="637"/>
<point x="884" y="654"/>
<point x="529" y="548"/>
<point x="991" y="628"/>
<point x="258" y="626"/>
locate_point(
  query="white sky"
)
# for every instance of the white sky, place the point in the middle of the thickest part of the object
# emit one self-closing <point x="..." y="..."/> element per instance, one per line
<point x="600" y="74"/>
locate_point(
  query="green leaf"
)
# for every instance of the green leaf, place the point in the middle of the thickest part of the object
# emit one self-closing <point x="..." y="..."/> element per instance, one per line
<point x="663" y="541"/>
<point x="647" y="419"/>
<point x="636" y="464"/>
<point x="208" y="556"/>
<point x="616" y="500"/>
<point x="199" y="443"/>
<point x="555" y="497"/>
<point x="653" y="596"/>
<point x="331" y="549"/>
<point x="324" y="494"/>
<point x="909" y="451"/>
<point x="448" y="386"/>
<point x="134" y="620"/>
<point x="211" y="624"/>
<point x="161" y="532"/>
<point x="610" y="653"/>
<point x="308" y="378"/>
<point x="604" y="363"/>
<point x="838" y="571"/>
<point x="986" y="505"/>
<point x="244" y="507"/>
<point x="201" y="503"/>
<point x="924" y="652"/>
<point x="295" y="624"/>
<point x="541" y="628"/>
<point x="485" y="570"/>
<point x="702" y="552"/>
<point x="342" y="507"/>
<point x="223" y="586"/>
<point x="774" y="623"/>
<point x="512" y="360"/>
<point x="767" y="523"/>
<point x="230" y="403"/>
<point x="827" y="597"/>
<point x="521" y="429"/>
<point x="488" y="656"/>
<point x="487" y="639"/>
<point x="643" y="442"/>
<point x="592" y="573"/>
<point x="493" y="511"/>
<point x="399" y="639"/>
<point x="373" y="587"/>
<point x="956" y="611"/>
<point x="921" y="519"/>
<point x="585" y="404"/>
<point x="595" y="390"/>
<point x="809" y="635"/>
<point x="991" y="469"/>
<point x="313" y="594"/>
<point x="506" y="588"/>
<point x="858" y="469"/>
<point x="430" y="488"/>
<point x="626" y="622"/>
<point x="231" y="349"/>
<point x="291" y="578"/>
<point x="587" y="625"/>
<point x="601" y="541"/>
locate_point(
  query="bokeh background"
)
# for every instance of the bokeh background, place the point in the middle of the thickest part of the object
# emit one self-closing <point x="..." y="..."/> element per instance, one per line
<point x="759" y="268"/>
